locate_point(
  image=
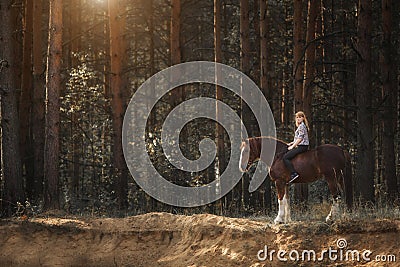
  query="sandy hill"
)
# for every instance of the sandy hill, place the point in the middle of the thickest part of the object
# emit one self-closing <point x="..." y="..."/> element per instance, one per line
<point x="163" y="239"/>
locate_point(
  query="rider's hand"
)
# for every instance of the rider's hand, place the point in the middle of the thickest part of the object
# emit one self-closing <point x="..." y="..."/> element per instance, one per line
<point x="290" y="147"/>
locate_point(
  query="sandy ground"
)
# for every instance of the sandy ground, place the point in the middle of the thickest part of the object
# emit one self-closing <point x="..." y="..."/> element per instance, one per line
<point x="163" y="239"/>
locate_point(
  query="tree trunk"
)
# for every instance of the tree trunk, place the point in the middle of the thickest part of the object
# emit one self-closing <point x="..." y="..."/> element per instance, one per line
<point x="348" y="90"/>
<point x="389" y="96"/>
<point x="313" y="9"/>
<point x="26" y="100"/>
<point x="218" y="90"/>
<point x="301" y="190"/>
<point x="264" y="49"/>
<point x="117" y="24"/>
<point x="245" y="67"/>
<point x="219" y="130"/>
<point x="365" y="139"/>
<point x="176" y="50"/>
<point x="244" y="37"/>
<point x="52" y="115"/>
<point x="37" y="116"/>
<point x="319" y="54"/>
<point x="264" y="79"/>
<point x="287" y="112"/>
<point x="298" y="66"/>
<point x="328" y="56"/>
<point x="256" y="51"/>
<point x="10" y="155"/>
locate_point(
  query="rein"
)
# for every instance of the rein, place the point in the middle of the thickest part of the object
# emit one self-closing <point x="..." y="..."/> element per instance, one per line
<point x="255" y="147"/>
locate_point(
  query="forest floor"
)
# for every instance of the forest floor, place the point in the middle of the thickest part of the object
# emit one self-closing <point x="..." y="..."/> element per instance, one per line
<point x="163" y="239"/>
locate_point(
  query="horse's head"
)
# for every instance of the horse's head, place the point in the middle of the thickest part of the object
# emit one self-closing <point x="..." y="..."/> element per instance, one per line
<point x="246" y="157"/>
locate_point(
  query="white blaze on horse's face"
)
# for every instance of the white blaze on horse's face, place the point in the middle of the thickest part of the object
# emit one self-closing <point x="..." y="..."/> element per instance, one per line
<point x="244" y="158"/>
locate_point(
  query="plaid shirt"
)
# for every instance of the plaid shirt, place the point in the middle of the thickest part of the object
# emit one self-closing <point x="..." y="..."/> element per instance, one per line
<point x="301" y="132"/>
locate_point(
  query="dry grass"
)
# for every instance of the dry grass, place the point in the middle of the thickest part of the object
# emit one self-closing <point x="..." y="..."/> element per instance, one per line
<point x="319" y="211"/>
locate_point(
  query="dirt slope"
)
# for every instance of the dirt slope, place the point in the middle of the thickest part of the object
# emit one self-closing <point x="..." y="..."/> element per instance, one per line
<point x="162" y="239"/>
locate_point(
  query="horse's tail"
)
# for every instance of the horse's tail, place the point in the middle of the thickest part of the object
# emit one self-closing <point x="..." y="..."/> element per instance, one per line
<point x="348" y="179"/>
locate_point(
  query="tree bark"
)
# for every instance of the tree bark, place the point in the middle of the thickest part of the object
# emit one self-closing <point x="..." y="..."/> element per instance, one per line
<point x="176" y="53"/>
<point x="219" y="130"/>
<point x="264" y="79"/>
<point x="389" y="96"/>
<point x="52" y="115"/>
<point x="313" y="9"/>
<point x="319" y="54"/>
<point x="117" y="24"/>
<point x="37" y="116"/>
<point x="218" y="90"/>
<point x="264" y="49"/>
<point x="256" y="48"/>
<point x="298" y="42"/>
<point x="244" y="37"/>
<point x="176" y="50"/>
<point x="301" y="190"/>
<point x="10" y="154"/>
<point x="245" y="67"/>
<point x="26" y="100"/>
<point x="365" y="139"/>
<point x="348" y="90"/>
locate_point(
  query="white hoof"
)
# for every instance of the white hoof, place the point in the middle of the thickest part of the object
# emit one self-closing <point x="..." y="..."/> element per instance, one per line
<point x="279" y="220"/>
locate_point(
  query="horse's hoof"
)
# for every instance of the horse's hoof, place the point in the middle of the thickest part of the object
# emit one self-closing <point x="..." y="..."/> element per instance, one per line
<point x="329" y="220"/>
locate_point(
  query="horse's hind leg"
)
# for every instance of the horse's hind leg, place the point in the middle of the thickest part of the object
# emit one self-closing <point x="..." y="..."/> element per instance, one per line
<point x="334" y="185"/>
<point x="336" y="211"/>
<point x="282" y="202"/>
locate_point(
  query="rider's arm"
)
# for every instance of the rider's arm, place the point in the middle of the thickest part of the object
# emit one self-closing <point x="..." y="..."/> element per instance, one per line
<point x="295" y="143"/>
<point x="298" y="140"/>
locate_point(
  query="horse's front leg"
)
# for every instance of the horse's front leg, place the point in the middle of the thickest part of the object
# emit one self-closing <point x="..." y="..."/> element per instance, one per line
<point x="286" y="197"/>
<point x="282" y="202"/>
<point x="280" y="218"/>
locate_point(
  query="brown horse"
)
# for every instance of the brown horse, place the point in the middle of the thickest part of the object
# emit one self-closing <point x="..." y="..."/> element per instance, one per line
<point x="326" y="161"/>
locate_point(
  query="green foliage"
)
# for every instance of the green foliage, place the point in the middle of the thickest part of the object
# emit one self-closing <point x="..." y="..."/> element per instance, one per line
<point x="86" y="132"/>
<point x="86" y="140"/>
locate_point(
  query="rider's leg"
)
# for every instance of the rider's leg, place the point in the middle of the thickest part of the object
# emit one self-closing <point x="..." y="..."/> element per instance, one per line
<point x="289" y="156"/>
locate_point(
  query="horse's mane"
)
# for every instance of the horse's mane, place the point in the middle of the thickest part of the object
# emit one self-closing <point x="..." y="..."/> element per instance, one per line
<point x="255" y="146"/>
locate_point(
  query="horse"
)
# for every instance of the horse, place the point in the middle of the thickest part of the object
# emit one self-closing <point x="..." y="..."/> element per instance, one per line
<point x="325" y="161"/>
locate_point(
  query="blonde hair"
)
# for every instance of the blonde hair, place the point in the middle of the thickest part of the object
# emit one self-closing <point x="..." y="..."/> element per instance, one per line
<point x="301" y="114"/>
